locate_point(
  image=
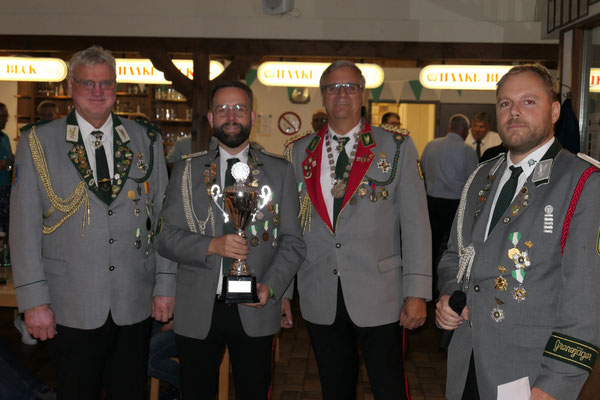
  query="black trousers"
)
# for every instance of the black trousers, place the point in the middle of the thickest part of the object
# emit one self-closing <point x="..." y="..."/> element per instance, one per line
<point x="111" y="357"/>
<point x="441" y="216"/>
<point x="251" y="358"/>
<point x="335" y="348"/>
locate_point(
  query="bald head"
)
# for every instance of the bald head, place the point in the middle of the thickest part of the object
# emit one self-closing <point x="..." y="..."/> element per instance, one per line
<point x="459" y="124"/>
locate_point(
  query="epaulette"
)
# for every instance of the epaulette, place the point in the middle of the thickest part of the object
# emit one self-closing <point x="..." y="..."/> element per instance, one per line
<point x="36" y="123"/>
<point x="192" y="155"/>
<point x="152" y="128"/>
<point x="261" y="148"/>
<point x="289" y="144"/>
<point x="492" y="159"/>
<point x="395" y="129"/>
<point x="296" y="138"/>
<point x="589" y="159"/>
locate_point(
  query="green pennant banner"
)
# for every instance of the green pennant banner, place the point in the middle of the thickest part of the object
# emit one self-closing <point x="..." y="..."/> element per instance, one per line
<point x="459" y="92"/>
<point x="250" y="76"/>
<point x="417" y="88"/>
<point x="376" y="92"/>
<point x="290" y="90"/>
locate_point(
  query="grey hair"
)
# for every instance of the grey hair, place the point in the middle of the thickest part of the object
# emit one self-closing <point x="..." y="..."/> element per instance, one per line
<point x="337" y="65"/>
<point x="92" y="56"/>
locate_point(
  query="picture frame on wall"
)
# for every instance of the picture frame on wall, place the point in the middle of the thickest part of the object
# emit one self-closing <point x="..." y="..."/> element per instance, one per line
<point x="551" y="12"/>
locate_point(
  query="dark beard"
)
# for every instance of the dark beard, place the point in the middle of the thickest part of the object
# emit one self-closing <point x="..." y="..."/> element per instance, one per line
<point x="232" y="140"/>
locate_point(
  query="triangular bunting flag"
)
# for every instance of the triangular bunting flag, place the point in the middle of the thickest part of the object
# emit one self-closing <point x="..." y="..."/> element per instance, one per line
<point x="376" y="92"/>
<point x="250" y="76"/>
<point x="417" y="88"/>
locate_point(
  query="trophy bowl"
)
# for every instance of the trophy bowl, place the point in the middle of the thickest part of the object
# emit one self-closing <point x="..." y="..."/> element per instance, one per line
<point x="241" y="204"/>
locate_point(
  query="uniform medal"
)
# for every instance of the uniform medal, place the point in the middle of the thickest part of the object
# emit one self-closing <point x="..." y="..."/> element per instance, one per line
<point x="274" y="244"/>
<point x="254" y="240"/>
<point x="138" y="241"/>
<point x="265" y="235"/>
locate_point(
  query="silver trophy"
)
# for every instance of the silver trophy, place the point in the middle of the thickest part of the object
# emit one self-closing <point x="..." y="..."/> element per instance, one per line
<point x="242" y="203"/>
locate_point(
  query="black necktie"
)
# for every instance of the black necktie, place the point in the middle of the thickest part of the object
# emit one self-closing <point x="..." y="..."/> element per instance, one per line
<point x="506" y="195"/>
<point x="228" y="227"/>
<point x="340" y="168"/>
<point x="102" y="174"/>
<point x="478" y="148"/>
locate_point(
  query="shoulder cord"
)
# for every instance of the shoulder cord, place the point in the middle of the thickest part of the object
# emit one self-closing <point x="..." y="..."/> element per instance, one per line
<point x="466" y="255"/>
<point x="68" y="206"/>
<point x="573" y="204"/>
<point x="187" y="198"/>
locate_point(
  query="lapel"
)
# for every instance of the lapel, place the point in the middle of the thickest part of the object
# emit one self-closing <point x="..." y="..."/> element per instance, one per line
<point x="485" y="194"/>
<point x="311" y="168"/>
<point x="362" y="161"/>
<point x="122" y="156"/>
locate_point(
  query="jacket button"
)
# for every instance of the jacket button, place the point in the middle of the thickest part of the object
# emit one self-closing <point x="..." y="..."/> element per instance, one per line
<point x="338" y="245"/>
<point x="111" y="241"/>
<point x="111" y="268"/>
<point x="476" y="288"/>
<point x="335" y="271"/>
<point x="110" y="212"/>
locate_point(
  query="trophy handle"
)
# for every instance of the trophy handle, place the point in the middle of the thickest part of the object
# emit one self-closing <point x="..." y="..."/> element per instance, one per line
<point x="265" y="197"/>
<point x="216" y="194"/>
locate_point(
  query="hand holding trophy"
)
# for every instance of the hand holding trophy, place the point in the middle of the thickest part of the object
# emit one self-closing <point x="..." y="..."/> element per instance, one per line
<point x="242" y="202"/>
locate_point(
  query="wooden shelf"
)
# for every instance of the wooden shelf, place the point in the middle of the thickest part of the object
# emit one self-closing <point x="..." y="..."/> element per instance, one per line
<point x="169" y="101"/>
<point x="174" y="121"/>
<point x="63" y="97"/>
<point x="22" y="96"/>
<point x="127" y="94"/>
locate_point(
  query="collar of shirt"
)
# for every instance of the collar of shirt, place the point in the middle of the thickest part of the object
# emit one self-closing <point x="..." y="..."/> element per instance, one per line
<point x="528" y="168"/>
<point x="224" y="156"/>
<point x="350" y="135"/>
<point x="86" y="129"/>
<point x="528" y="163"/>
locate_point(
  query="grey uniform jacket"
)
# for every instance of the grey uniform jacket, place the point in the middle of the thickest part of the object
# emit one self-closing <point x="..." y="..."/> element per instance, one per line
<point x="89" y="267"/>
<point x="381" y="250"/>
<point x="535" y="333"/>
<point x="190" y="220"/>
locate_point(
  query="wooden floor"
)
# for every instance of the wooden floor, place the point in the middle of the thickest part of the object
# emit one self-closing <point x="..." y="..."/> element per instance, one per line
<point x="295" y="375"/>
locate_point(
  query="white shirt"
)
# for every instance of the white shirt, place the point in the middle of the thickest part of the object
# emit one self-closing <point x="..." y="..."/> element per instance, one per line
<point x="86" y="129"/>
<point x="491" y="139"/>
<point x="528" y="164"/>
<point x="223" y="157"/>
<point x="326" y="181"/>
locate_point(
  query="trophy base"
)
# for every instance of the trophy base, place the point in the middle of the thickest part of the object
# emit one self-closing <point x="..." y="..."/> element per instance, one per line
<point x="239" y="289"/>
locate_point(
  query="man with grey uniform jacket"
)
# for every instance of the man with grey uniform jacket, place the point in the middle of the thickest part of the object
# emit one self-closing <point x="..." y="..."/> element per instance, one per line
<point x="525" y="248"/>
<point x="367" y="272"/>
<point x="195" y="236"/>
<point x="86" y="197"/>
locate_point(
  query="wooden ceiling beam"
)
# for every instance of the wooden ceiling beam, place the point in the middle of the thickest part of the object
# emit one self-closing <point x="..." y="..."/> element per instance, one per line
<point x="506" y="52"/>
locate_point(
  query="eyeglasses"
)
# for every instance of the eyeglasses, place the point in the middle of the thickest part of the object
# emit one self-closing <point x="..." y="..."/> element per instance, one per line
<point x="239" y="110"/>
<point x="91" y="85"/>
<point x="350" y="88"/>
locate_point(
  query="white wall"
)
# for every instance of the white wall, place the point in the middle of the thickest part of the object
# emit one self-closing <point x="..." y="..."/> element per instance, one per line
<point x="509" y="21"/>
